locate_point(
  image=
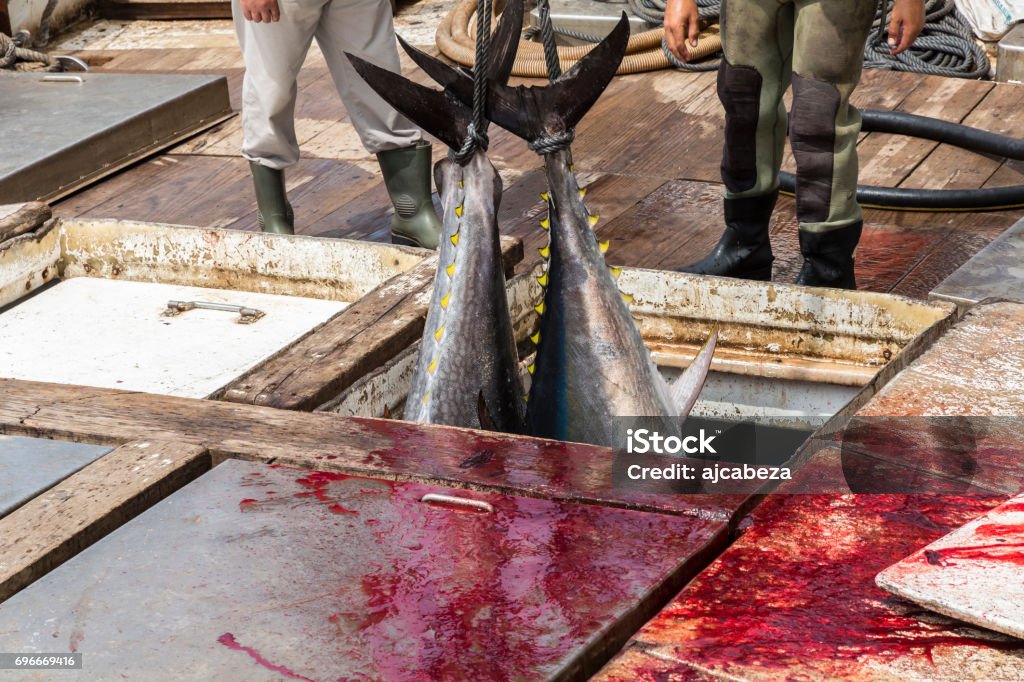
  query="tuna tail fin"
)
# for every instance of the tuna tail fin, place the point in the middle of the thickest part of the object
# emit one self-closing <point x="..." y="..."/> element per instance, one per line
<point x="439" y="113"/>
<point x="687" y="387"/>
<point x="534" y="112"/>
<point x="504" y="44"/>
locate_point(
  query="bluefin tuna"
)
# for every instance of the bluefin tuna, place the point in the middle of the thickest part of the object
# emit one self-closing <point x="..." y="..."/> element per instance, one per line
<point x="591" y="364"/>
<point x="467" y="373"/>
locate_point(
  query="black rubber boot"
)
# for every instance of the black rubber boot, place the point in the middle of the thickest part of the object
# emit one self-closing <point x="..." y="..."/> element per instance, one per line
<point x="407" y="177"/>
<point x="828" y="257"/>
<point x="274" y="213"/>
<point x="744" y="250"/>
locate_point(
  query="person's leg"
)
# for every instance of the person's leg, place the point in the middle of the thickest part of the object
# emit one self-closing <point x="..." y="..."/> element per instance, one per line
<point x="273" y="54"/>
<point x="365" y="28"/>
<point x="827" y="61"/>
<point x="757" y="39"/>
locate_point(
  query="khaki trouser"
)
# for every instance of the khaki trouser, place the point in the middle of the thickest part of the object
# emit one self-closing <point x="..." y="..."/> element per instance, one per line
<point x="274" y="52"/>
<point x="817" y="45"/>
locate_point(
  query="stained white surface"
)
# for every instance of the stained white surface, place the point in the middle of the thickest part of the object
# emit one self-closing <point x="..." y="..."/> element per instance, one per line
<point x="111" y="334"/>
<point x="974" y="574"/>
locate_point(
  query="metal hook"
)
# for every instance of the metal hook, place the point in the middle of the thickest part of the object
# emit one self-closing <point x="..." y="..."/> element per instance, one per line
<point x="74" y="60"/>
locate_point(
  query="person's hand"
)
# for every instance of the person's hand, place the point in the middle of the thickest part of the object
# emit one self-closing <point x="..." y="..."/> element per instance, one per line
<point x="681" y="23"/>
<point x="906" y="24"/>
<point x="261" y="11"/>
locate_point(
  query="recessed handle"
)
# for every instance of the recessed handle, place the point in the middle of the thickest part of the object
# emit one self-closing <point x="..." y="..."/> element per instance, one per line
<point x="63" y="79"/>
<point x="452" y="501"/>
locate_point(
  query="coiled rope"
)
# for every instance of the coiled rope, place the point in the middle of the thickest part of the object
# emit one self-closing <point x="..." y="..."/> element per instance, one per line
<point x="455" y="39"/>
<point x="946" y="46"/>
<point x="17" y="58"/>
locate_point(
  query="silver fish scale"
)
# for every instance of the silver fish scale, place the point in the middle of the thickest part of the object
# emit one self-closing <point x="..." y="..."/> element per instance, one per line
<point x="468" y="345"/>
<point x="592" y="364"/>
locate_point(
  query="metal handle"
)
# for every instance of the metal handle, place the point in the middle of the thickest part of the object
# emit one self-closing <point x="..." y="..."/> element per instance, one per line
<point x="63" y="79"/>
<point x="247" y="315"/>
<point x="74" y="60"/>
<point x="452" y="501"/>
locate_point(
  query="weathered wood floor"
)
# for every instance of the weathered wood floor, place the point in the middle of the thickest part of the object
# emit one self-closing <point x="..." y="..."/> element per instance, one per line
<point x="649" y="151"/>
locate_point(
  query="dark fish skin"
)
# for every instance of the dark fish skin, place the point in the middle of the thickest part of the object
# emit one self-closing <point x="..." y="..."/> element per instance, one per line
<point x="591" y="364"/>
<point x="468" y="345"/>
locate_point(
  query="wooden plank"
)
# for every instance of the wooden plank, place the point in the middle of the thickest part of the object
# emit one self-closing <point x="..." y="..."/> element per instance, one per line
<point x="948" y="167"/>
<point x="57" y="525"/>
<point x="165" y="9"/>
<point x="887" y="160"/>
<point x="627" y="130"/>
<point x="966" y="234"/>
<point x="375" y="448"/>
<point x="360" y="339"/>
<point x="18" y="219"/>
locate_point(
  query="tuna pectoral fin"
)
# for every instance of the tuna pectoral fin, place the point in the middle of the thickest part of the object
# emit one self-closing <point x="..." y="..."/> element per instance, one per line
<point x="487" y="422"/>
<point x="440" y="173"/>
<point x="439" y="113"/>
<point x="687" y="387"/>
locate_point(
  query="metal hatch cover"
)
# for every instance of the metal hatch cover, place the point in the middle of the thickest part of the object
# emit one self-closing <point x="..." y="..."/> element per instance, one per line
<point x="254" y="572"/>
<point x="61" y="135"/>
<point x="28" y="466"/>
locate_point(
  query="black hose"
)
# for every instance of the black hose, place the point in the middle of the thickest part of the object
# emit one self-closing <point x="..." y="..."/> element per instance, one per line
<point x="956" y="134"/>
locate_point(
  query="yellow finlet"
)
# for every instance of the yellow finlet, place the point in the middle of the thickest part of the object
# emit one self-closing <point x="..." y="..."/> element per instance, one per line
<point x="526" y="398"/>
<point x="458" y="210"/>
<point x="628" y="298"/>
<point x="531" y="368"/>
<point x="450" y="269"/>
<point x="535" y="338"/>
<point x="444" y="301"/>
<point x="439" y="333"/>
<point x="539" y="308"/>
<point x="546" y="223"/>
<point x="545" y="251"/>
<point x="593" y="219"/>
<point x="544" y="196"/>
<point x="543" y="279"/>
<point x="426" y="397"/>
<point x="583" y="192"/>
<point x="432" y="367"/>
<point x="604" y="245"/>
<point x="455" y="239"/>
<point x="460" y="184"/>
<point x="616" y="271"/>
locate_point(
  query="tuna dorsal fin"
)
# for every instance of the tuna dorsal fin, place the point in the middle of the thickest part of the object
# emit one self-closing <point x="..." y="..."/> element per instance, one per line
<point x="687" y="387"/>
<point x="530" y="112"/>
<point x="439" y="113"/>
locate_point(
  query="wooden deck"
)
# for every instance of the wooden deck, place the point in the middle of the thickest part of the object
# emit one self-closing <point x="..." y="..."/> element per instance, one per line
<point x="649" y="152"/>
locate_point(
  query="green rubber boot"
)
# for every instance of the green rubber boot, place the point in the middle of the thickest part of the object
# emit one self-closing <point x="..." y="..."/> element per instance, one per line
<point x="274" y="213"/>
<point x="407" y="177"/>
